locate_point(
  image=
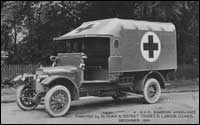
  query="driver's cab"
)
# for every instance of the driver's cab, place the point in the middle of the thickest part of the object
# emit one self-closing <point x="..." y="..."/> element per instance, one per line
<point x="97" y="51"/>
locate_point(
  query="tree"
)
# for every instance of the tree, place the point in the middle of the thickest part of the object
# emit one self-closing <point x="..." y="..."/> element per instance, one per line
<point x="45" y="20"/>
<point x="12" y="20"/>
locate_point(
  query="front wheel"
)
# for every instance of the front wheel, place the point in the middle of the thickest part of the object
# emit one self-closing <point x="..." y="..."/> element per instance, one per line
<point x="25" y="96"/>
<point x="57" y="101"/>
<point x="152" y="91"/>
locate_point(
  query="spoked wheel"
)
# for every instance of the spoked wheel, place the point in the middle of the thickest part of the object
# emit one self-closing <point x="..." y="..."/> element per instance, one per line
<point x="152" y="91"/>
<point x="57" y="101"/>
<point x="25" y="96"/>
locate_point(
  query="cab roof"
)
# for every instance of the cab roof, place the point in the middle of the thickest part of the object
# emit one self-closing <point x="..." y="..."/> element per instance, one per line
<point x="113" y="27"/>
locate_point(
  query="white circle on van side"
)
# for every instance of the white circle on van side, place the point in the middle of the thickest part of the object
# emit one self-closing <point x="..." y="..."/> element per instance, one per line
<point x="150" y="46"/>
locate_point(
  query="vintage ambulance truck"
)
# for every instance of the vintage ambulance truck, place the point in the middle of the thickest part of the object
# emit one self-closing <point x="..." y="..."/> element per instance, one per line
<point x="110" y="57"/>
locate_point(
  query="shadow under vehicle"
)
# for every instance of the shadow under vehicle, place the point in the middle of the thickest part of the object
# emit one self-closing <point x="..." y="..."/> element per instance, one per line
<point x="111" y="57"/>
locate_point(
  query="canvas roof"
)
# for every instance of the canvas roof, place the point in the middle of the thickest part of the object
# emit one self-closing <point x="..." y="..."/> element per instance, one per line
<point x="113" y="27"/>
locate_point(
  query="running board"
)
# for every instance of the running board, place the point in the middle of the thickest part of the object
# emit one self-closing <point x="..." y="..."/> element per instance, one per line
<point x="95" y="81"/>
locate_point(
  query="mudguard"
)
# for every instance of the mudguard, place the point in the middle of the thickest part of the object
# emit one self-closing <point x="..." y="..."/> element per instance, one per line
<point x="72" y="86"/>
<point x="140" y="82"/>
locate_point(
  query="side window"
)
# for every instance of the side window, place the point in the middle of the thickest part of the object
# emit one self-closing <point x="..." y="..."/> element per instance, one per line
<point x="116" y="44"/>
<point x="115" y="47"/>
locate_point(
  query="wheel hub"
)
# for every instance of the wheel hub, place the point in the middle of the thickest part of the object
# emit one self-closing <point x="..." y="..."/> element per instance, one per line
<point x="27" y="98"/>
<point x="152" y="91"/>
<point x="58" y="101"/>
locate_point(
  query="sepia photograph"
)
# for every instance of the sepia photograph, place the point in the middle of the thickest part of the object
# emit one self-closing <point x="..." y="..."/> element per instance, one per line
<point x="99" y="62"/>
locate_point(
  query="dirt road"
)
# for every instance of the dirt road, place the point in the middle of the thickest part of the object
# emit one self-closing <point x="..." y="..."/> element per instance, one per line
<point x="172" y="108"/>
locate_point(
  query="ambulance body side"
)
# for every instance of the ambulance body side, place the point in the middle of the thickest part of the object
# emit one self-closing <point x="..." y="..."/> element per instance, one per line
<point x="128" y="62"/>
<point x="132" y="58"/>
<point x="128" y="56"/>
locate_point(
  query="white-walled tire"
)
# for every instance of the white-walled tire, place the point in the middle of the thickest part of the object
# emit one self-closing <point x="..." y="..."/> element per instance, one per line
<point x="57" y="101"/>
<point x="23" y="93"/>
<point x="152" y="91"/>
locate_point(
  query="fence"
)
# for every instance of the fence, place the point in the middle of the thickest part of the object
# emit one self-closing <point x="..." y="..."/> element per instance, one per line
<point x="10" y="71"/>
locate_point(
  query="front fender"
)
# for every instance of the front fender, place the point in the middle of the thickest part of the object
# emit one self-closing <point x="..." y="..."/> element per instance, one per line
<point x="65" y="81"/>
<point x="49" y="79"/>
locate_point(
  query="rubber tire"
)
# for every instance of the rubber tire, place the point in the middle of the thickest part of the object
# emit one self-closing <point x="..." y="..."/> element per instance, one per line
<point x="48" y="97"/>
<point x="19" y="103"/>
<point x="149" y="82"/>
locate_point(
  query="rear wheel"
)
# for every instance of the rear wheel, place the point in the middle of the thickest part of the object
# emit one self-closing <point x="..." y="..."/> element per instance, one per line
<point x="57" y="101"/>
<point x="152" y="91"/>
<point x="25" y="96"/>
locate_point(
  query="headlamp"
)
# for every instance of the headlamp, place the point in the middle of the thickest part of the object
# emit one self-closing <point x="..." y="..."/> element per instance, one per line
<point x="27" y="76"/>
<point x="41" y="77"/>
